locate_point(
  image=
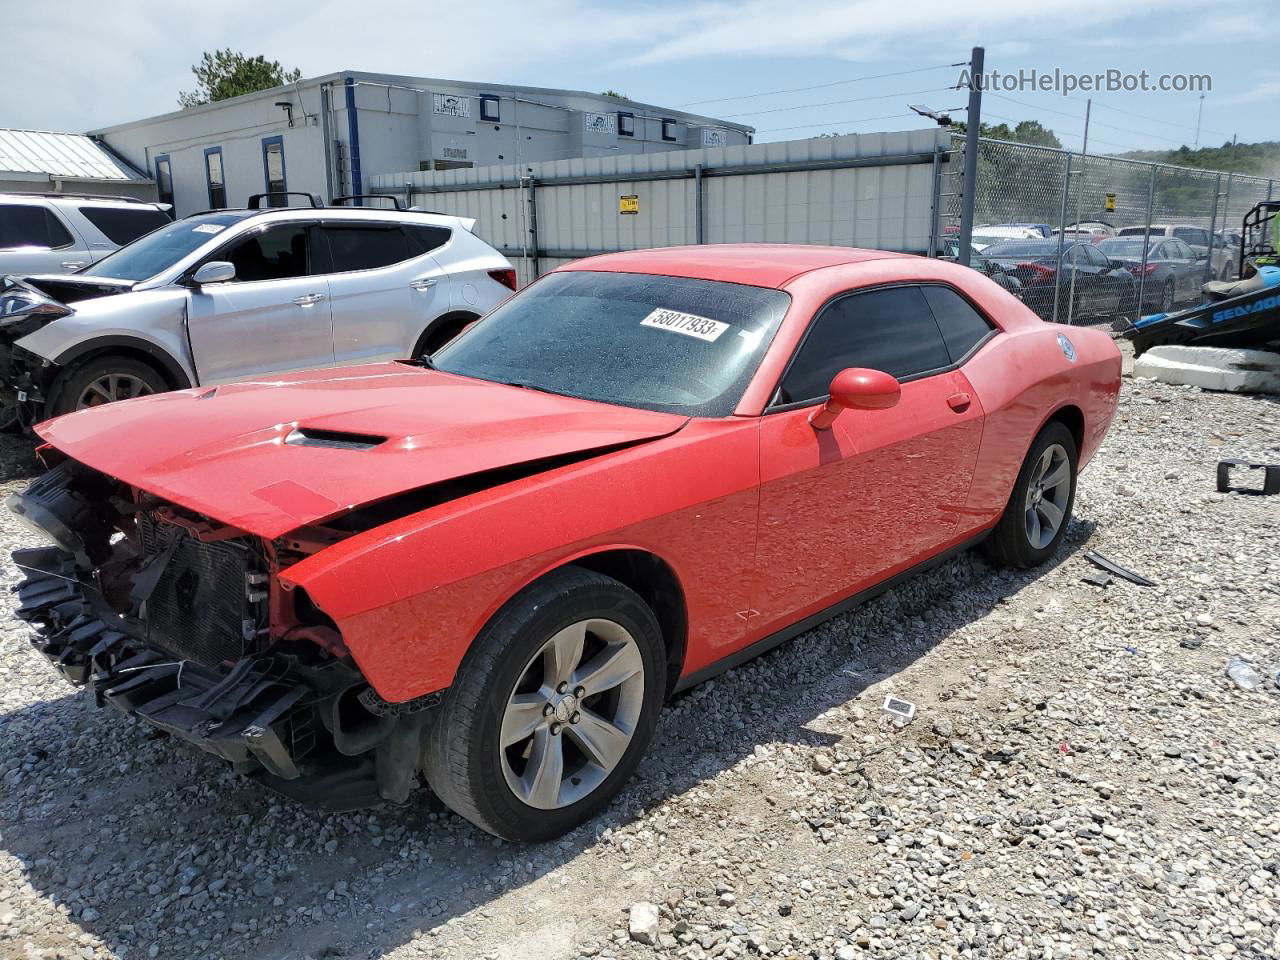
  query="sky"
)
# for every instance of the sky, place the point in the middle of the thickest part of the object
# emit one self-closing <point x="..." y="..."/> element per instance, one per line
<point x="790" y="69"/>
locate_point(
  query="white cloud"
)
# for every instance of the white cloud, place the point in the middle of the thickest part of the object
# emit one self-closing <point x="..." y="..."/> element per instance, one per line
<point x="1262" y="92"/>
<point x="830" y="27"/>
<point x="84" y="64"/>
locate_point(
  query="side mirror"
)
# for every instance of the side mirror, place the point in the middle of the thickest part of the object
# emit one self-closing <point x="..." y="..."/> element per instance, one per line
<point x="856" y="388"/>
<point x="215" y="271"/>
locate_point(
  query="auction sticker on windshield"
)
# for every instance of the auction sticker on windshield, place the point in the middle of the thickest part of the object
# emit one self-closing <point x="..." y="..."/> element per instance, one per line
<point x="690" y="324"/>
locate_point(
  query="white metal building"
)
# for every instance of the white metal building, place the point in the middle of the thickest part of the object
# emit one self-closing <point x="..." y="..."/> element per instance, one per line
<point x="40" y="161"/>
<point x="330" y="135"/>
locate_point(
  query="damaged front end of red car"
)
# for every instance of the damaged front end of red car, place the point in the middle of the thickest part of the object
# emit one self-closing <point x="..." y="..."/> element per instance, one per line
<point x="185" y="623"/>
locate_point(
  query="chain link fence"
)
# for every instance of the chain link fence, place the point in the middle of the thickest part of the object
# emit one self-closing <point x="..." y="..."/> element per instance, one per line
<point x="1045" y="219"/>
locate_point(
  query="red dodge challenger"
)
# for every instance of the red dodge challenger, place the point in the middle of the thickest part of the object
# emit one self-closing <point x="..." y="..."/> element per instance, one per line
<point x="488" y="569"/>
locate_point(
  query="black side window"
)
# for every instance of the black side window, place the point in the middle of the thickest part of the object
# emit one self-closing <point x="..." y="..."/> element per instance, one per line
<point x="120" y="225"/>
<point x="424" y="239"/>
<point x="276" y="253"/>
<point x="891" y="330"/>
<point x="963" y="327"/>
<point x="24" y="225"/>
<point x="368" y="246"/>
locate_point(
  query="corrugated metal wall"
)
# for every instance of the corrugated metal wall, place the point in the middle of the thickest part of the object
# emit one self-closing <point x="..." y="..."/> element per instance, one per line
<point x="866" y="190"/>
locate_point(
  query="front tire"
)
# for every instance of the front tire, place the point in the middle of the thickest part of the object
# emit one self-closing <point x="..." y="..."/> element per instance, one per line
<point x="552" y="708"/>
<point x="1039" y="509"/>
<point x="106" y="379"/>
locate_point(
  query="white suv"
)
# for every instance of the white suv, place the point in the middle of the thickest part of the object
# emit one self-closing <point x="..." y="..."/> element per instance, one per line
<point x="232" y="294"/>
<point x="59" y="233"/>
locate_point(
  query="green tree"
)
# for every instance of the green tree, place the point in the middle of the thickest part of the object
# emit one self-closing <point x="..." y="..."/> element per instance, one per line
<point x="227" y="73"/>
<point x="1026" y="131"/>
<point x="614" y="93"/>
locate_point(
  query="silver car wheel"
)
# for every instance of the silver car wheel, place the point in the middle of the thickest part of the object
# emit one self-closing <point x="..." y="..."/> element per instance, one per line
<point x="572" y="714"/>
<point x="112" y="387"/>
<point x="1048" y="493"/>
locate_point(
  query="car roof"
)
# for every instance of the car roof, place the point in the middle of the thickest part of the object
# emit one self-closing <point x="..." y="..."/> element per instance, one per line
<point x="80" y="200"/>
<point x="339" y="213"/>
<point x="754" y="264"/>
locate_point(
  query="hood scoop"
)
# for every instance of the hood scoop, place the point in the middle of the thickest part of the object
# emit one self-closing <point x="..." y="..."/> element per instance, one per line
<point x="332" y="439"/>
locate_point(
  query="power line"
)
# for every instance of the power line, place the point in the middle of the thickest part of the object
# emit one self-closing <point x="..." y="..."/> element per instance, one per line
<point x="836" y="123"/>
<point x="1166" y="123"/>
<point x="1109" y="126"/>
<point x="831" y="103"/>
<point x="823" y="86"/>
<point x="1095" y="123"/>
<point x="1092" y="139"/>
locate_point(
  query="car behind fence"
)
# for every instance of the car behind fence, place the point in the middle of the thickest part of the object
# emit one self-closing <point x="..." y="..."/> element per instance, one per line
<point x="893" y="191"/>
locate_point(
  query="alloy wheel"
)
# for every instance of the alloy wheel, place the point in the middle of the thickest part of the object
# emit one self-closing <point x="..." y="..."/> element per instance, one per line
<point x="1048" y="493"/>
<point x="112" y="387"/>
<point x="572" y="714"/>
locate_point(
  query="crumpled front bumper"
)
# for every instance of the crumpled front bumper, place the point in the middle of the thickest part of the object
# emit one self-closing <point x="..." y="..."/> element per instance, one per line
<point x="254" y="714"/>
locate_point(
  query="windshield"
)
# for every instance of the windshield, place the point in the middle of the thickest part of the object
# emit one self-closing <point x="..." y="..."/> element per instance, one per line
<point x="1122" y="247"/>
<point x="658" y="343"/>
<point x="161" y="249"/>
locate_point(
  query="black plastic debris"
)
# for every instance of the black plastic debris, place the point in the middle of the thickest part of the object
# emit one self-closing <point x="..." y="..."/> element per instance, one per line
<point x="1098" y="560"/>
<point x="1270" y="477"/>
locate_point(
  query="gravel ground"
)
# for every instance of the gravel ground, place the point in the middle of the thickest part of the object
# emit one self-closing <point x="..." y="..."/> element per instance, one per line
<point x="1081" y="777"/>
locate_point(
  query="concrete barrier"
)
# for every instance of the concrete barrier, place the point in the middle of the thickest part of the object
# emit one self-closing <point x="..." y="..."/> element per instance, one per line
<point x="1212" y="368"/>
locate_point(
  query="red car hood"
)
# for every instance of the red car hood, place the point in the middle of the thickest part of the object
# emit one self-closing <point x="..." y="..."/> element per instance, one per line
<point x="271" y="456"/>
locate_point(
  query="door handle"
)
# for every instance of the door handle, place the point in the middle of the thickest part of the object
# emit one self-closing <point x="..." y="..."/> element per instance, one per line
<point x="959" y="402"/>
<point x="423" y="284"/>
<point x="307" y="299"/>
<point x="72" y="264"/>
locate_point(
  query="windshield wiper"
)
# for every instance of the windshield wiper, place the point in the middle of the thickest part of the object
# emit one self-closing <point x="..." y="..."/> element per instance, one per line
<point x="531" y="386"/>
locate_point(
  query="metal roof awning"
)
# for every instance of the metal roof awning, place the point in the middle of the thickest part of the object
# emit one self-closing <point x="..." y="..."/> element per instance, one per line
<point x="39" y="155"/>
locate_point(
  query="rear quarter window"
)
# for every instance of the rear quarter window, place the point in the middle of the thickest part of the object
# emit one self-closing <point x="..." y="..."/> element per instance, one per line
<point x="122" y="225"/>
<point x="426" y="238"/>
<point x="962" y="326"/>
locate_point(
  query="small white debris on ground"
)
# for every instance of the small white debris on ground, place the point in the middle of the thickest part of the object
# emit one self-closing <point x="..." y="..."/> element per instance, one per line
<point x="1086" y="781"/>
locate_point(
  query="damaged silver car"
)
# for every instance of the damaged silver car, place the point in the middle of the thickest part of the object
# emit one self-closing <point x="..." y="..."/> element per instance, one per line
<point x="233" y="294"/>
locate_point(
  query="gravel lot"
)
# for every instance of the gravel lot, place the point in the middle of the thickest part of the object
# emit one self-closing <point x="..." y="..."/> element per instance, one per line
<point x="1082" y="778"/>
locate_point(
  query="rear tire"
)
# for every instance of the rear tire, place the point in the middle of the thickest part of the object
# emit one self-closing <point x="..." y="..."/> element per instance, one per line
<point x="1020" y="539"/>
<point x="493" y="732"/>
<point x="106" y="379"/>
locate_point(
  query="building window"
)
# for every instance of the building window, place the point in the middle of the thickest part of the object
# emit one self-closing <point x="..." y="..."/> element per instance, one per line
<point x="214" y="178"/>
<point x="164" y="178"/>
<point x="489" y="109"/>
<point x="626" y="124"/>
<point x="669" y="131"/>
<point x="273" y="169"/>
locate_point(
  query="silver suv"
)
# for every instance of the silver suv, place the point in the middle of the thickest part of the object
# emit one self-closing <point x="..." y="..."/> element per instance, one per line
<point x="231" y="294"/>
<point x="59" y="233"/>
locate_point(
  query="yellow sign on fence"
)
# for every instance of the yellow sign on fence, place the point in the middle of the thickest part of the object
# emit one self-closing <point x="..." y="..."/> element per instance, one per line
<point x="1111" y="203"/>
<point x="629" y="204"/>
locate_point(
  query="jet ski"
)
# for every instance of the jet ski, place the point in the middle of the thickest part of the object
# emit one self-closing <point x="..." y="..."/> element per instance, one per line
<point x="1239" y="313"/>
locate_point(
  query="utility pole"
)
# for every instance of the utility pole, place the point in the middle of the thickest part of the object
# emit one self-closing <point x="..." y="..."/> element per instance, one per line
<point x="973" y="126"/>
<point x="1199" y="114"/>
<point x="1075" y="248"/>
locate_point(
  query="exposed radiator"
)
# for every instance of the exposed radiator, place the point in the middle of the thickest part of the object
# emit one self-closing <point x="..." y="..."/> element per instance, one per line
<point x="199" y="609"/>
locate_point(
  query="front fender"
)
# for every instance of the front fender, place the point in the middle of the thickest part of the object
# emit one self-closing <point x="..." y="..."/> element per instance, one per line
<point x="409" y="597"/>
<point x="150" y="321"/>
